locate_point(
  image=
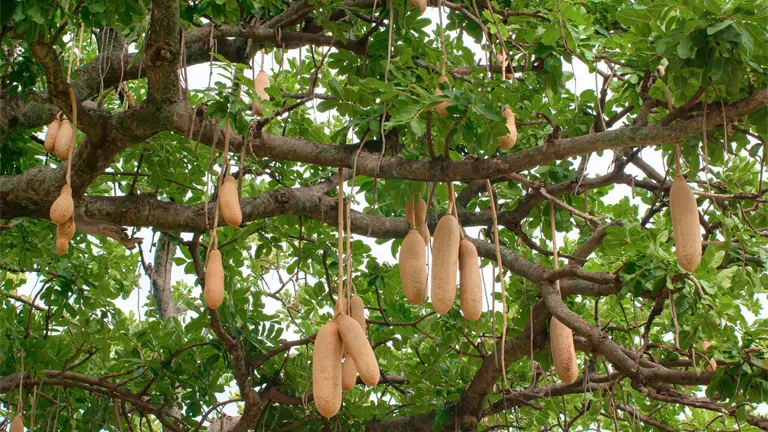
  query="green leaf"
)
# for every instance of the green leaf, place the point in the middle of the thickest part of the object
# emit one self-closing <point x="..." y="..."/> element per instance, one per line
<point x="714" y="28"/>
<point x="684" y="48"/>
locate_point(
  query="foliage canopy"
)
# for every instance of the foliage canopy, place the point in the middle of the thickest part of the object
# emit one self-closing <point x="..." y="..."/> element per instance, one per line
<point x="667" y="73"/>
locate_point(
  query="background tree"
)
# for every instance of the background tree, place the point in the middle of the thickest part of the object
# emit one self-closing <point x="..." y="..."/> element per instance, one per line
<point x="667" y="73"/>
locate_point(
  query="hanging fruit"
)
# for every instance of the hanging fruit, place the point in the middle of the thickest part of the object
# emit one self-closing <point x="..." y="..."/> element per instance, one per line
<point x="214" y="280"/>
<point x="260" y="83"/>
<point x="685" y="224"/>
<point x="64" y="141"/>
<point x="420" y="213"/>
<point x="360" y="349"/>
<point x="63" y="208"/>
<point x="348" y="374"/>
<point x="17" y="424"/>
<point x="326" y="370"/>
<point x="229" y="202"/>
<point x="442" y="107"/>
<point x="563" y="352"/>
<point x="357" y="310"/>
<point x="507" y="141"/>
<point x="64" y="234"/>
<point x="445" y="253"/>
<point x="50" y="135"/>
<point x="470" y="281"/>
<point x="420" y="5"/>
<point x="413" y="267"/>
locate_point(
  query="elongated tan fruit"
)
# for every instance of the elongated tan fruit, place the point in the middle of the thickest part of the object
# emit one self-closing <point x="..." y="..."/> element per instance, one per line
<point x="360" y="349"/>
<point x="63" y="143"/>
<point x="63" y="208"/>
<point x="256" y="108"/>
<point x="563" y="352"/>
<point x="17" y="425"/>
<point x="445" y="254"/>
<point x="685" y="224"/>
<point x="229" y="202"/>
<point x="326" y="370"/>
<point x="348" y="374"/>
<point x="261" y="82"/>
<point x="470" y="283"/>
<point x="442" y="107"/>
<point x="413" y="267"/>
<point x="711" y="365"/>
<point x="341" y="306"/>
<point x="420" y="211"/>
<point x="420" y="5"/>
<point x="64" y="233"/>
<point x="507" y="141"/>
<point x="357" y="310"/>
<point x="410" y="214"/>
<point x="214" y="280"/>
<point x="50" y="135"/>
<point x="705" y="345"/>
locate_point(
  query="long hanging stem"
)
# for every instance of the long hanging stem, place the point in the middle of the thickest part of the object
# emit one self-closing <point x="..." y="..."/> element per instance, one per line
<point x="21" y="384"/>
<point x="554" y="241"/>
<point x="442" y="36"/>
<point x="704" y="138"/>
<point x="73" y="102"/>
<point x="489" y="189"/>
<point x="340" y="226"/>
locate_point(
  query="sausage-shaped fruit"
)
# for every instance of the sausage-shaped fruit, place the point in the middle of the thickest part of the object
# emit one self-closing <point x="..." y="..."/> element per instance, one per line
<point x="326" y="370"/>
<point x="64" y="233"/>
<point x="341" y="306"/>
<point x="17" y="425"/>
<point x="229" y="202"/>
<point x="256" y="109"/>
<point x="442" y="107"/>
<point x="261" y="82"/>
<point x="420" y="211"/>
<point x="507" y="141"/>
<point x="685" y="224"/>
<point x="420" y="5"/>
<point x="348" y="374"/>
<point x="445" y="254"/>
<point x="410" y="214"/>
<point x="563" y="352"/>
<point x="470" y="282"/>
<point x="360" y="349"/>
<point x="63" y="208"/>
<point x="357" y="310"/>
<point x="705" y="345"/>
<point x="64" y="141"/>
<point x="50" y="135"/>
<point x="214" y="280"/>
<point x="413" y="267"/>
<point x="711" y="365"/>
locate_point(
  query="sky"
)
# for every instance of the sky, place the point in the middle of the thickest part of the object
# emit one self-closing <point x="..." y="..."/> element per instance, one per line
<point x="198" y="75"/>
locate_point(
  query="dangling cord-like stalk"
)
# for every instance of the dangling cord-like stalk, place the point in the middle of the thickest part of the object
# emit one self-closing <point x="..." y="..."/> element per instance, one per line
<point x="73" y="102"/>
<point x="452" y="198"/>
<point x="350" y="285"/>
<point x="704" y="138"/>
<point x="677" y="160"/>
<point x="384" y="115"/>
<point x="214" y="135"/>
<point x="21" y="384"/>
<point x="442" y="37"/>
<point x="501" y="279"/>
<point x="554" y="242"/>
<point x="340" y="234"/>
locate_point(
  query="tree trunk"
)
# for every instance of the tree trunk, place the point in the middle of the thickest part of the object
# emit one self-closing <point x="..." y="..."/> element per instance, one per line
<point x="161" y="278"/>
